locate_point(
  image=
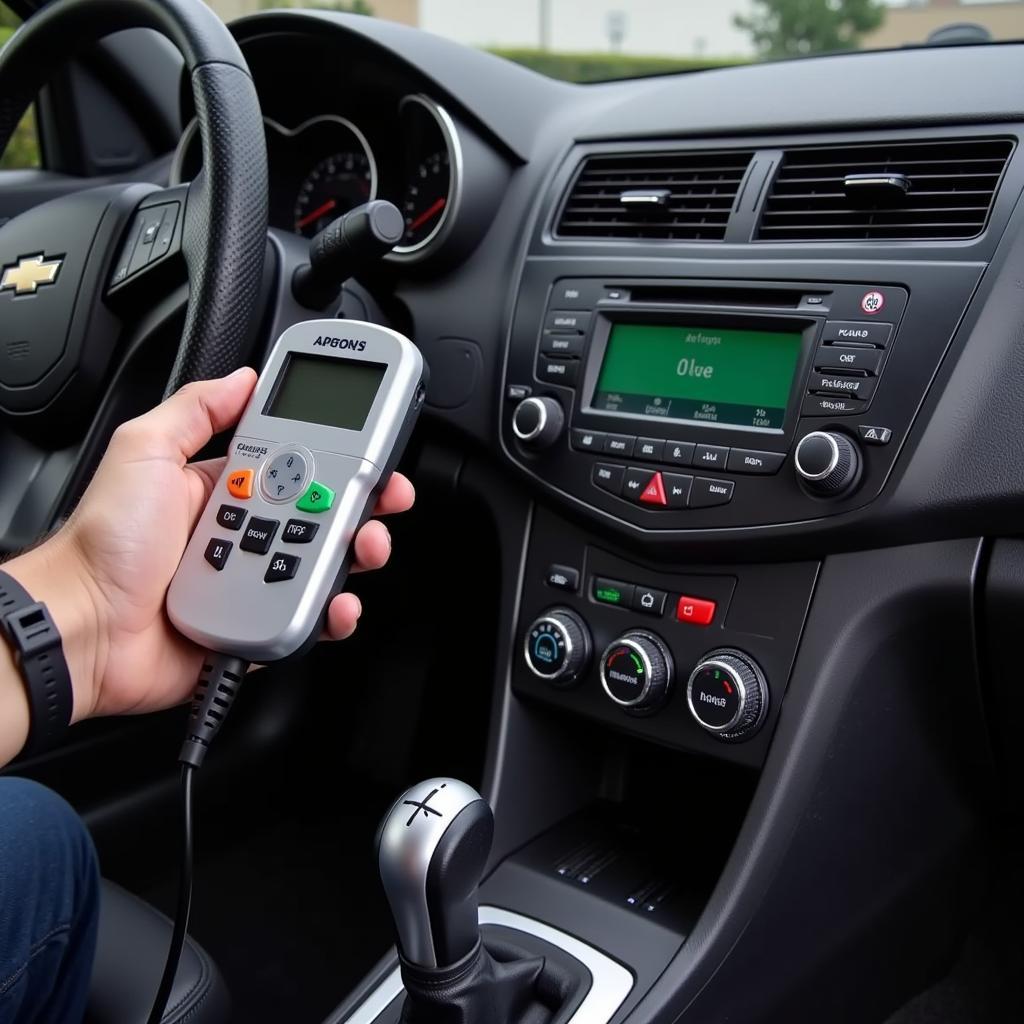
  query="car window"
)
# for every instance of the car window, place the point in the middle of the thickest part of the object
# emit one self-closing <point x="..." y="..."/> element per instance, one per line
<point x="23" y="149"/>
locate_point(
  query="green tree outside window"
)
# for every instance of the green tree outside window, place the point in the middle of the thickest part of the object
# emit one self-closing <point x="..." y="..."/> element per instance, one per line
<point x="23" y="149"/>
<point x="793" y="28"/>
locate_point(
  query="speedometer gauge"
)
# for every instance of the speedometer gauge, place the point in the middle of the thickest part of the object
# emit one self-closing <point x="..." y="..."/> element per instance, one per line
<point x="426" y="196"/>
<point x="337" y="184"/>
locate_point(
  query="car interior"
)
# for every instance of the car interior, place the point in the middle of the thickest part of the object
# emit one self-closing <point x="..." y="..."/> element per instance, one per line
<point x="735" y="678"/>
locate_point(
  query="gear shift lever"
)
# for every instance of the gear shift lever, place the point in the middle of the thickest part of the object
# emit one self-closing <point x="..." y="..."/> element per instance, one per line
<point x="432" y="848"/>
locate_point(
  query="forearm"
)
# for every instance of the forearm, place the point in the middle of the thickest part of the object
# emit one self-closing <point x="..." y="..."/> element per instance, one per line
<point x="52" y="574"/>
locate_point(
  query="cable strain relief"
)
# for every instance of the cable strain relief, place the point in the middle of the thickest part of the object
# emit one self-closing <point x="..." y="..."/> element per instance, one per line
<point x="219" y="682"/>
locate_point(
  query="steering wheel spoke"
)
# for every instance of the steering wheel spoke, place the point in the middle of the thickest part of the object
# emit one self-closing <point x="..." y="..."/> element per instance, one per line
<point x="150" y="253"/>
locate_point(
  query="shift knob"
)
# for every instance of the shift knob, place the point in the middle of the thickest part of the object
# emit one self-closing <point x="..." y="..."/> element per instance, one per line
<point x="432" y="847"/>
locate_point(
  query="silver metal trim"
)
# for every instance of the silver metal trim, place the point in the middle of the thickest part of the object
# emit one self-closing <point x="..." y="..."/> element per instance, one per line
<point x="407" y="846"/>
<point x="611" y="983"/>
<point x="628" y="640"/>
<point x="560" y="673"/>
<point x="541" y="423"/>
<point x="456" y="167"/>
<point x="181" y="150"/>
<point x="833" y="462"/>
<point x="735" y="677"/>
<point x="308" y="476"/>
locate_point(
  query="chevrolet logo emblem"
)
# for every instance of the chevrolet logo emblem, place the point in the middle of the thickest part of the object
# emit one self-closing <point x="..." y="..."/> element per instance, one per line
<point x="29" y="273"/>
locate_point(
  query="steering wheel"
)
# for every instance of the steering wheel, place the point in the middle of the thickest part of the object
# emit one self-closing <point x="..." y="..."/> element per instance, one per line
<point x="68" y="266"/>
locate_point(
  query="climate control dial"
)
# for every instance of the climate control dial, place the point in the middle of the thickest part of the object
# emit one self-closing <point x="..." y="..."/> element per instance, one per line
<point x="727" y="694"/>
<point x="636" y="671"/>
<point x="557" y="647"/>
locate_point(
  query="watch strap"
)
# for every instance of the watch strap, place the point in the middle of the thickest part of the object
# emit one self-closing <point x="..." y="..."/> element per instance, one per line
<point x="38" y="651"/>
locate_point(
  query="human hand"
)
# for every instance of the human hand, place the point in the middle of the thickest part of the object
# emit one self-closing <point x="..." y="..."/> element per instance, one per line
<point x="105" y="574"/>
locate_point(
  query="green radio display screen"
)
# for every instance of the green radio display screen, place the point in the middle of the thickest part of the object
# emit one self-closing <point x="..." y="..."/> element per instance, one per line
<point x="740" y="378"/>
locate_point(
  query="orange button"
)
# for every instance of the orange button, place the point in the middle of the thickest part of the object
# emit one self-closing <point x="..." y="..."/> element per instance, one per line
<point x="240" y="482"/>
<point x="695" y="610"/>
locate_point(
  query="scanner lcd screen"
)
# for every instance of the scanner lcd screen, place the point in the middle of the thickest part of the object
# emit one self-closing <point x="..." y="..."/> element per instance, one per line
<point x="325" y="390"/>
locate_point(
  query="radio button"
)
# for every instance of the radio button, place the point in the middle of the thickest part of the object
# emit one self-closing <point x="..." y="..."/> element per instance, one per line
<point x="866" y="332"/>
<point x="839" y="357"/>
<point x="836" y="384"/>
<point x="679" y="453"/>
<point x="558" y="371"/>
<point x="635" y="482"/>
<point x="677" y="489"/>
<point x="566" y="321"/>
<point x="743" y="461"/>
<point x="562" y="345"/>
<point x="608" y="478"/>
<point x="588" y="440"/>
<point x="619" y="444"/>
<point x="827" y="405"/>
<point x="568" y="294"/>
<point x="709" y="456"/>
<point x="706" y="492"/>
<point x="650" y="449"/>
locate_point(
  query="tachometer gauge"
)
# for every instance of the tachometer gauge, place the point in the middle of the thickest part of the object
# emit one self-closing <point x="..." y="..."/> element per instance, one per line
<point x="337" y="184"/>
<point x="426" y="196"/>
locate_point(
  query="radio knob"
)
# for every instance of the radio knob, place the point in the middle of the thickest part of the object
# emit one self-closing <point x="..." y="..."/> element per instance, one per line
<point x="538" y="422"/>
<point x="727" y="695"/>
<point x="557" y="647"/>
<point x="636" y="671"/>
<point x="828" y="464"/>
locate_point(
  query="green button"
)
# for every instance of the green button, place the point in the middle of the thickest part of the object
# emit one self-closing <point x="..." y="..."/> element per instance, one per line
<point x="612" y="591"/>
<point x="318" y="498"/>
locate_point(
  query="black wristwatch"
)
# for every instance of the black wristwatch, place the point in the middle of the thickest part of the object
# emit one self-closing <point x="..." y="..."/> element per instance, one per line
<point x="39" y="653"/>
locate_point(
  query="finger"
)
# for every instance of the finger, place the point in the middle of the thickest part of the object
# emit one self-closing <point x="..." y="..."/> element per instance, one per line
<point x="397" y="496"/>
<point x="209" y="471"/>
<point x="343" y="616"/>
<point x="373" y="547"/>
<point x="185" y="422"/>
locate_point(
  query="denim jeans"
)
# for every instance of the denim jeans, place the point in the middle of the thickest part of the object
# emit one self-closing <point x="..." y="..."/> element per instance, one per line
<point x="49" y="907"/>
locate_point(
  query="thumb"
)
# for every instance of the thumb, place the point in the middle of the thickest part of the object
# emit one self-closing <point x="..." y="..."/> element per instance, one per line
<point x="182" y="424"/>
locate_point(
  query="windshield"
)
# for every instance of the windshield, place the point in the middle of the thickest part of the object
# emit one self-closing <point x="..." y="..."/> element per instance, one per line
<point x="597" y="40"/>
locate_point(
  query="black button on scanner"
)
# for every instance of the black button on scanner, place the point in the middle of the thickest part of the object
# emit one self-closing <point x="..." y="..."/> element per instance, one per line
<point x="230" y="517"/>
<point x="259" y="535"/>
<point x="217" y="552"/>
<point x="282" y="567"/>
<point x="299" y="531"/>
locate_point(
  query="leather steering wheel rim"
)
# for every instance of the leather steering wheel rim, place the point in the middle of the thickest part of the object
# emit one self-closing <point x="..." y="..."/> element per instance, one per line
<point x="225" y="228"/>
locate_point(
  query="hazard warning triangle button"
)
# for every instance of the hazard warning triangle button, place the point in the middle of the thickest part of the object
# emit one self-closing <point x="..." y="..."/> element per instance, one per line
<point x="654" y="492"/>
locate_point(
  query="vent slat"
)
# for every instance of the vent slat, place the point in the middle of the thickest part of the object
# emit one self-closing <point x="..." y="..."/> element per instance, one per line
<point x="702" y="189"/>
<point x="952" y="187"/>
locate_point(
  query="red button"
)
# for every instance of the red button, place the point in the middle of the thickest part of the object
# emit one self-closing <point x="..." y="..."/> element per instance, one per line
<point x="654" y="492"/>
<point x="695" y="610"/>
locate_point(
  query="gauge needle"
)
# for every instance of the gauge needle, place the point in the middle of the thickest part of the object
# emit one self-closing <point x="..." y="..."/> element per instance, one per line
<point x="317" y="213"/>
<point x="434" y="208"/>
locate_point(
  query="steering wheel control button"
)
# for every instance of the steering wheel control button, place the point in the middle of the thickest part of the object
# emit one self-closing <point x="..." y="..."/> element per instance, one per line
<point x="710" y="456"/>
<point x="654" y="492"/>
<point x="282" y="567"/>
<point x="283" y="475"/>
<point x="727" y="695"/>
<point x="862" y="332"/>
<point x="563" y="577"/>
<point x="697" y="611"/>
<point x="742" y="460"/>
<point x="615" y="592"/>
<point x="828" y="464"/>
<point x="217" y="552"/>
<point x="538" y="422"/>
<point x="619" y="444"/>
<point x="706" y="492"/>
<point x="557" y="647"/>
<point x="298" y="531"/>
<point x="608" y="478"/>
<point x="636" y="671"/>
<point x="587" y="440"/>
<point x="874" y="435"/>
<point x="230" y="517"/>
<point x="649" y="601"/>
<point x="677" y="489"/>
<point x="259" y="535"/>
<point x="240" y="483"/>
<point x="318" y="498"/>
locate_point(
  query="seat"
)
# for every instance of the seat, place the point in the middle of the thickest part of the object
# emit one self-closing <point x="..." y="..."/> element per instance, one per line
<point x="130" y="952"/>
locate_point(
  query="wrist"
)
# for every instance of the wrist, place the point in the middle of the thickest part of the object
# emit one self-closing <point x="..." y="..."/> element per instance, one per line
<point x="55" y="575"/>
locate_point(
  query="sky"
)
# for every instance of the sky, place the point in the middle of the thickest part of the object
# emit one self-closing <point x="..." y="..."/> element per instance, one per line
<point x="649" y="26"/>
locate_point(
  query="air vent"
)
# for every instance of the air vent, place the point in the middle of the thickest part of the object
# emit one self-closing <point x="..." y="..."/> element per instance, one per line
<point x="671" y="196"/>
<point x="904" y="191"/>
